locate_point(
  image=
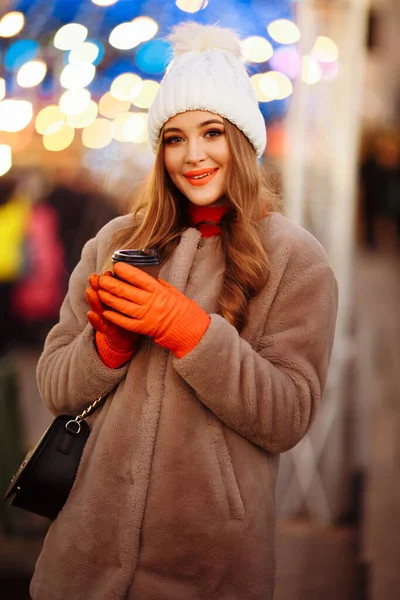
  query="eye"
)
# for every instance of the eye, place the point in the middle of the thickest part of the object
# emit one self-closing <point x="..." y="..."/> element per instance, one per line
<point x="172" y="140"/>
<point x="211" y="133"/>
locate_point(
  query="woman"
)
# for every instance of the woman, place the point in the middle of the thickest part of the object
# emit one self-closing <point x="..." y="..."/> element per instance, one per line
<point x="212" y="370"/>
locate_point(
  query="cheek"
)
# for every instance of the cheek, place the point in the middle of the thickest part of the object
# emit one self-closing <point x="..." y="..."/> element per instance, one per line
<point x="171" y="163"/>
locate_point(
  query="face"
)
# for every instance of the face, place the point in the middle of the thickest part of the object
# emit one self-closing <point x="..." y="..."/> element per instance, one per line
<point x="197" y="155"/>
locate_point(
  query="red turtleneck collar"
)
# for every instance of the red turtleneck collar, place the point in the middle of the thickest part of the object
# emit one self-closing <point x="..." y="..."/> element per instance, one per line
<point x="206" y="218"/>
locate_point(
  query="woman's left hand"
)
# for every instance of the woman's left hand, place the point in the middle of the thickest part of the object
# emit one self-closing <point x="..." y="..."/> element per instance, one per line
<point x="153" y="307"/>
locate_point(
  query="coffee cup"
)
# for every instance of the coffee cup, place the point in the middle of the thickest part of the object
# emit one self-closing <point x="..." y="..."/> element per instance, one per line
<point x="147" y="260"/>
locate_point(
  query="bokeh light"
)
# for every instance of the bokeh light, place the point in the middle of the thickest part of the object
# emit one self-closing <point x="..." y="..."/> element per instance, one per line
<point x="5" y="159"/>
<point x="98" y="135"/>
<point x="153" y="56"/>
<point x="284" y="31"/>
<point x="47" y="117"/>
<point x="74" y="77"/>
<point x="73" y="102"/>
<point x="11" y="24"/>
<point x="111" y="107"/>
<point x="84" y="118"/>
<point x="275" y="85"/>
<point x="257" y="49"/>
<point x="147" y="94"/>
<point x="191" y="6"/>
<point x="15" y="114"/>
<point x="20" y="52"/>
<point x="311" y="70"/>
<point x="287" y="60"/>
<point x="135" y="128"/>
<point x="31" y="73"/>
<point x="104" y="2"/>
<point x="70" y="36"/>
<point x="87" y="52"/>
<point x="126" y="86"/>
<point x="2" y="88"/>
<point x="60" y="139"/>
<point x="325" y="50"/>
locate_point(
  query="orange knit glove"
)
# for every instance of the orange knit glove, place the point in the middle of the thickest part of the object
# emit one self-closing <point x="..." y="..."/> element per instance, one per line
<point x="154" y="308"/>
<point x="115" y="345"/>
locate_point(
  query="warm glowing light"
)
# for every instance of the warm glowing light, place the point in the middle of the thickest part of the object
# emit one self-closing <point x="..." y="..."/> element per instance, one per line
<point x="59" y="139"/>
<point x="147" y="94"/>
<point x="5" y="159"/>
<point x="73" y="102"/>
<point x="275" y="85"/>
<point x="31" y="73"/>
<point x="84" y="118"/>
<point x="2" y="88"/>
<point x="98" y="135"/>
<point x="47" y="118"/>
<point x="191" y="6"/>
<point x="112" y="107"/>
<point x="284" y="31"/>
<point x="255" y="81"/>
<point x="311" y="71"/>
<point x="84" y="53"/>
<point x="70" y="36"/>
<point x="257" y="49"/>
<point x="325" y="50"/>
<point x="118" y="127"/>
<point x="11" y="24"/>
<point x="15" y="115"/>
<point x="145" y="27"/>
<point x="125" y="36"/>
<point x="135" y="128"/>
<point x="74" y="77"/>
<point x="104" y="2"/>
<point x="126" y="86"/>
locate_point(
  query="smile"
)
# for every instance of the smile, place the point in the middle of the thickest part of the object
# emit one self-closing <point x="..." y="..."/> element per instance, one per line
<point x="200" y="176"/>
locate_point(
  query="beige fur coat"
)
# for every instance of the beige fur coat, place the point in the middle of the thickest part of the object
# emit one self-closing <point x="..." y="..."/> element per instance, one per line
<point x="174" y="498"/>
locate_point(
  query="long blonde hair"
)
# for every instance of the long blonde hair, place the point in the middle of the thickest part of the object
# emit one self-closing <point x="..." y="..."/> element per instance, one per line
<point x="161" y="213"/>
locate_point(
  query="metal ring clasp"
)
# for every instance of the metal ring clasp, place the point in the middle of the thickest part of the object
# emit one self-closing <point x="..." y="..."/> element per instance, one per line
<point x="73" y="426"/>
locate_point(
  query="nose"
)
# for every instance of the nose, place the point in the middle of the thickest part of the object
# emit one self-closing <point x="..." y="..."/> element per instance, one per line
<point x="195" y="151"/>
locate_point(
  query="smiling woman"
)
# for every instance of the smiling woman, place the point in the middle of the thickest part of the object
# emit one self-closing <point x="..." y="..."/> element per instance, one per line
<point x="212" y="370"/>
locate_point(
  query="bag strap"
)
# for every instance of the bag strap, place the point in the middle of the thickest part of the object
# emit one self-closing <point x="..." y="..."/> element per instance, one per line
<point x="74" y="425"/>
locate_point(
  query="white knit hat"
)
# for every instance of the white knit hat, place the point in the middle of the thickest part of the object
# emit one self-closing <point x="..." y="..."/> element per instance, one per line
<point x="207" y="74"/>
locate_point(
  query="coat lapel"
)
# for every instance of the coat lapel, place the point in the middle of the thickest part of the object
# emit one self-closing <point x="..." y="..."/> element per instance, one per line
<point x="177" y="269"/>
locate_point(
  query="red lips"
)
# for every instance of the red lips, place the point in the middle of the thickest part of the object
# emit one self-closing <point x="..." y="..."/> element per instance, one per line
<point x="199" y="177"/>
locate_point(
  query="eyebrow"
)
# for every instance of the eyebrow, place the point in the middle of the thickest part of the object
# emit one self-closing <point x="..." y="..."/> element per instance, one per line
<point x="203" y="124"/>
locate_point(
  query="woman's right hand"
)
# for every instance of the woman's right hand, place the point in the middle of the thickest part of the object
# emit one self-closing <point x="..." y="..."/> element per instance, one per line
<point x="117" y="339"/>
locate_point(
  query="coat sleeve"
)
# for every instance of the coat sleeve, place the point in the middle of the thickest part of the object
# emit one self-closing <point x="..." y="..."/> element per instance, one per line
<point x="270" y="395"/>
<point x="70" y="373"/>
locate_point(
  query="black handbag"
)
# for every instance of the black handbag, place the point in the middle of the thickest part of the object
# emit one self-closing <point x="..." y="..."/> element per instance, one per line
<point x="45" y="477"/>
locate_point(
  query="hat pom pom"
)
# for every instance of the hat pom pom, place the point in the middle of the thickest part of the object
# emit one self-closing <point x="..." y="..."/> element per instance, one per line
<point x="193" y="37"/>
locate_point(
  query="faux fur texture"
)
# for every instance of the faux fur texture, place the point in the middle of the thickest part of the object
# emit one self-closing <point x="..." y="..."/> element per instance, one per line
<point x="191" y="36"/>
<point x="174" y="498"/>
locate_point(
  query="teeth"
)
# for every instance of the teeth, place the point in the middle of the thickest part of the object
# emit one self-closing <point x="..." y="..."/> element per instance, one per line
<point x="202" y="176"/>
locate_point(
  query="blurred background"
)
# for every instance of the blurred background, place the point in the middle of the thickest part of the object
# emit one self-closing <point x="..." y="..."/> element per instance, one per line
<point x="76" y="80"/>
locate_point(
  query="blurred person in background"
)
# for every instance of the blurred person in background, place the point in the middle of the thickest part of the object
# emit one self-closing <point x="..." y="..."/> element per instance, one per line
<point x="211" y="371"/>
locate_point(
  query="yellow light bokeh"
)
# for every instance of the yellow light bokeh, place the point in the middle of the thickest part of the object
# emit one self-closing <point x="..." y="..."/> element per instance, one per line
<point x="126" y="86"/>
<point x="111" y="107"/>
<point x="147" y="94"/>
<point x="75" y="77"/>
<point x="325" y="50"/>
<point x="145" y="28"/>
<point x="60" y="139"/>
<point x="284" y="31"/>
<point x="11" y="24"/>
<point x="47" y="117"/>
<point x="70" y="35"/>
<point x="125" y="36"/>
<point x="31" y="73"/>
<point x="134" y="129"/>
<point x="276" y="85"/>
<point x="73" y="102"/>
<point x="98" y="135"/>
<point x="311" y="72"/>
<point x="261" y="96"/>
<point x="191" y="6"/>
<point x="15" y="115"/>
<point x="84" y="118"/>
<point x="257" y="49"/>
<point x="118" y="127"/>
<point x="84" y="53"/>
<point x="5" y="159"/>
<point x="2" y="88"/>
